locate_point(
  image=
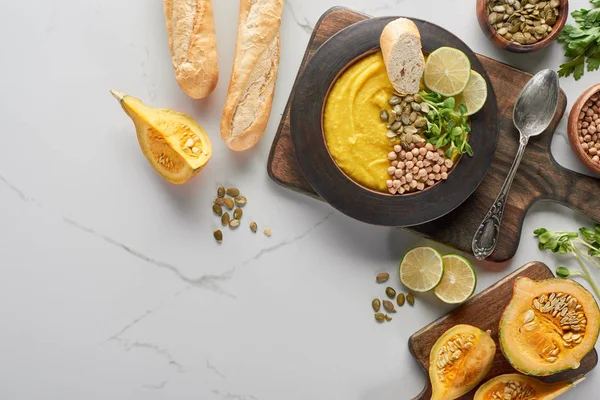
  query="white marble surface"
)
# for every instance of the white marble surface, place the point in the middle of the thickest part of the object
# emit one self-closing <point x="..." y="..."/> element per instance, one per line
<point x="112" y="286"/>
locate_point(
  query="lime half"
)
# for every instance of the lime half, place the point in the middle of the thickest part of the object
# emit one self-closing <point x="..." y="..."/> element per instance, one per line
<point x="458" y="282"/>
<point x="447" y="71"/>
<point x="421" y="269"/>
<point x="474" y="95"/>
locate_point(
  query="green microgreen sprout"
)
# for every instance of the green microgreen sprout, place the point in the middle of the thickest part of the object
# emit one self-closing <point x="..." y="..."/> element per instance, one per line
<point x="447" y="125"/>
<point x="572" y="242"/>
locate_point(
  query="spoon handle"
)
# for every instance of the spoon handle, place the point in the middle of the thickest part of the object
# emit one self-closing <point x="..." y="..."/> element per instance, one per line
<point x="486" y="236"/>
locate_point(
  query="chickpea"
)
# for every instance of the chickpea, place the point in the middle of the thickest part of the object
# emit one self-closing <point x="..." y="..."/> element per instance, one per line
<point x="591" y="129"/>
<point x="409" y="165"/>
<point x="431" y="177"/>
<point x="436" y="168"/>
<point x="593" y="150"/>
<point x="420" y="164"/>
<point x="392" y="155"/>
<point x="422" y="151"/>
<point x="400" y="165"/>
<point x="587" y="138"/>
<point x="584" y="145"/>
<point x="438" y="177"/>
<point x="596" y="159"/>
<point x="429" y="155"/>
<point x="406" y="187"/>
<point x="398" y="173"/>
<point x="444" y="176"/>
<point x="413" y="184"/>
<point x="415" y="152"/>
<point x="429" y="147"/>
<point x="429" y="169"/>
<point x="409" y="156"/>
<point x="397" y="148"/>
<point x="409" y="178"/>
<point x="422" y="173"/>
<point x="389" y="183"/>
<point x="444" y="169"/>
<point x="392" y="190"/>
<point x="415" y="170"/>
<point x="430" y="182"/>
<point x="448" y="163"/>
<point x="420" y="186"/>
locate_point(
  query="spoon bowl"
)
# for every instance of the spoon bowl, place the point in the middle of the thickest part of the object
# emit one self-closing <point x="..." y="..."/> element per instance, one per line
<point x="536" y="105"/>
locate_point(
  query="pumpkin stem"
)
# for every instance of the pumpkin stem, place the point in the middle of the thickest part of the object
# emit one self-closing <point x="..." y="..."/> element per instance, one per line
<point x="117" y="95"/>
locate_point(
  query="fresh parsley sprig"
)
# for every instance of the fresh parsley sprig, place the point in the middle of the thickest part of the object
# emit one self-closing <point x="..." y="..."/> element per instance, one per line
<point x="572" y="242"/>
<point x="445" y="125"/>
<point x="581" y="42"/>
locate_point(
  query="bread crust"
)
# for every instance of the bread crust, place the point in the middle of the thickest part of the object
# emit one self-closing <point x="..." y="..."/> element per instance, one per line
<point x="390" y="35"/>
<point x="254" y="73"/>
<point x="193" y="45"/>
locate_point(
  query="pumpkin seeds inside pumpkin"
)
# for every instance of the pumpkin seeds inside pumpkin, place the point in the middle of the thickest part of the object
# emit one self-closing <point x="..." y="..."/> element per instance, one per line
<point x="376" y="304"/>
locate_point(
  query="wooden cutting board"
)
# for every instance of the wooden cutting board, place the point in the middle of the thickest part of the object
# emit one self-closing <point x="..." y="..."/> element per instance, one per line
<point x="484" y="311"/>
<point x="539" y="176"/>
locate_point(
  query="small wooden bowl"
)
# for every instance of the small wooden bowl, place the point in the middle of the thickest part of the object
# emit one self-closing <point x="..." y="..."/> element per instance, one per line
<point x="499" y="41"/>
<point x="583" y="155"/>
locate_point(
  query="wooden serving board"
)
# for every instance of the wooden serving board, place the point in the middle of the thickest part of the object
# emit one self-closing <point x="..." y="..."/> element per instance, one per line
<point x="539" y="176"/>
<point x="484" y="311"/>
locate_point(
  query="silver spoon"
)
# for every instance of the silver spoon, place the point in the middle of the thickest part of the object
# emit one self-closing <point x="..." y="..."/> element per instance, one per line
<point x="532" y="114"/>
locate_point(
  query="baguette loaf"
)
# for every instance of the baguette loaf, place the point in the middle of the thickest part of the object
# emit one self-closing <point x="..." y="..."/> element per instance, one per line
<point x="401" y="47"/>
<point x="250" y="95"/>
<point x="193" y="45"/>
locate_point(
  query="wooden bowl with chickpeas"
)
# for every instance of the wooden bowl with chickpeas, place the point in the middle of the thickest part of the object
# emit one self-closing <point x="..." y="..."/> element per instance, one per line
<point x="584" y="128"/>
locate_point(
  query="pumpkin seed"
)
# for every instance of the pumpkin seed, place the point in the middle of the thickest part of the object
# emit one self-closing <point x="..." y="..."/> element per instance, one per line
<point x="233" y="192"/>
<point x="220" y="201"/>
<point x="379" y="317"/>
<point x="389" y="306"/>
<point x="384" y="115"/>
<point x="237" y="213"/>
<point x="253" y="226"/>
<point x="228" y="203"/>
<point x="418" y="98"/>
<point x="394" y="100"/>
<point x="217" y="209"/>
<point x="392" y="116"/>
<point x="391" y="293"/>
<point x="409" y="99"/>
<point x="424" y="107"/>
<point x="405" y="118"/>
<point x="387" y="318"/>
<point x="376" y="304"/>
<point x="221" y="191"/>
<point x="218" y="236"/>
<point x="396" y="125"/>
<point x="240" y="201"/>
<point x="400" y="299"/>
<point x="415" y="106"/>
<point x="225" y="219"/>
<point x="234" y="223"/>
<point x="410" y="299"/>
<point x="382" y="277"/>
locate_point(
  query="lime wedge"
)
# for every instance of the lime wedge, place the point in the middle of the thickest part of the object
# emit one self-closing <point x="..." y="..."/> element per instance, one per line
<point x="474" y="95"/>
<point x="447" y="71"/>
<point x="421" y="269"/>
<point x="458" y="282"/>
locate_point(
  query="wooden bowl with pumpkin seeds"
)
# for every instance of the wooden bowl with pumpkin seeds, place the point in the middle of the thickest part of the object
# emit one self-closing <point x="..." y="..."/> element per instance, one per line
<point x="522" y="26"/>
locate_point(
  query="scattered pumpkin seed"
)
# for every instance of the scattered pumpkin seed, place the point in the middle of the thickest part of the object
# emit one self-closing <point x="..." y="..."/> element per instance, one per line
<point x="382" y="277"/>
<point x="253" y="226"/>
<point x="410" y="299"/>
<point x="379" y="317"/>
<point x="240" y="201"/>
<point x="234" y="223"/>
<point x="233" y="192"/>
<point x="394" y="100"/>
<point x="217" y="209"/>
<point x="389" y="306"/>
<point x="391" y="293"/>
<point x="220" y="201"/>
<point x="387" y="317"/>
<point x="221" y="191"/>
<point x="384" y="115"/>
<point x="376" y="304"/>
<point x="225" y="219"/>
<point x="237" y="213"/>
<point x="267" y="232"/>
<point x="218" y="236"/>
<point x="400" y="299"/>
<point x="228" y="203"/>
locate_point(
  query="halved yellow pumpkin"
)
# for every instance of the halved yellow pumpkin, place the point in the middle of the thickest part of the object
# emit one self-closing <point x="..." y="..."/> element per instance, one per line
<point x="459" y="360"/>
<point x="174" y="144"/>
<point x="523" y="387"/>
<point x="548" y="326"/>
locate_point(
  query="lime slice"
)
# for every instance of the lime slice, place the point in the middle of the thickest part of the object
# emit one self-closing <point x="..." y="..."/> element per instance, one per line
<point x="447" y="71"/>
<point x="421" y="269"/>
<point x="458" y="282"/>
<point x="474" y="95"/>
